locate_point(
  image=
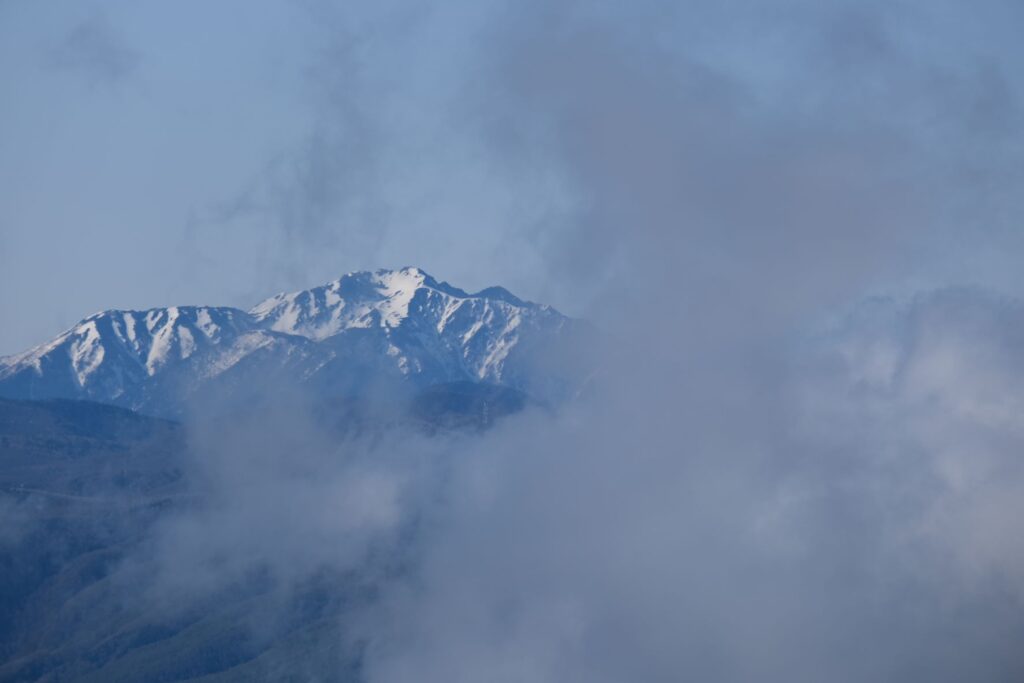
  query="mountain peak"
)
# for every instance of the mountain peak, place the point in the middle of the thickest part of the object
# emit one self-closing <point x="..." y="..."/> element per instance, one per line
<point x="365" y="299"/>
<point x="402" y="324"/>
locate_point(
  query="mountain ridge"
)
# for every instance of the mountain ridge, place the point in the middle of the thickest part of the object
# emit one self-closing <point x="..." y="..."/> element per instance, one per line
<point x="398" y="326"/>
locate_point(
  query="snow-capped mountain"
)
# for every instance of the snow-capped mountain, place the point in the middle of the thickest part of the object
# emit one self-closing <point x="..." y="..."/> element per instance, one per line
<point x="388" y="326"/>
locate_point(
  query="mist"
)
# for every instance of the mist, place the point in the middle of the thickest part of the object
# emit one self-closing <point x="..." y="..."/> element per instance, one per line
<point x="797" y="452"/>
<point x="837" y="507"/>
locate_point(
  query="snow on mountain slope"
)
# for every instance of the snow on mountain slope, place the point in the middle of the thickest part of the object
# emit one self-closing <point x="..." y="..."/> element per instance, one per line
<point x="425" y="320"/>
<point x="362" y="299"/>
<point x="400" y="325"/>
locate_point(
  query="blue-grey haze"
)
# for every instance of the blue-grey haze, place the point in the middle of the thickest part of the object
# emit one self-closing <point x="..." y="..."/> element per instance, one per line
<point x="158" y="154"/>
<point x="797" y="222"/>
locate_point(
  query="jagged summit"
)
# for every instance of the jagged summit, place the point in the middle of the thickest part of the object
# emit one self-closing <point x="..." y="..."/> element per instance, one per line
<point x="397" y="324"/>
<point x="364" y="299"/>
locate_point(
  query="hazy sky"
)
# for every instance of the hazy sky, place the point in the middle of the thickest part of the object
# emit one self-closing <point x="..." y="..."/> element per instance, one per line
<point x="778" y="478"/>
<point x="156" y="154"/>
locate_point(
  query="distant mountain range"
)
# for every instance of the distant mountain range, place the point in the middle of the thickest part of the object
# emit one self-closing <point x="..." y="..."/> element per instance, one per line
<point x="364" y="331"/>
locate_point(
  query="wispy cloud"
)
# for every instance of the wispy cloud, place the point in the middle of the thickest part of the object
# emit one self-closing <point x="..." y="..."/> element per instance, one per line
<point x="96" y="51"/>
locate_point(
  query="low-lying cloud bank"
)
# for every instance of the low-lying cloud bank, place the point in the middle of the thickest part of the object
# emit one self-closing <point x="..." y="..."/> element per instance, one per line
<point x="852" y="520"/>
<point x="844" y="511"/>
